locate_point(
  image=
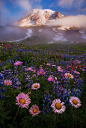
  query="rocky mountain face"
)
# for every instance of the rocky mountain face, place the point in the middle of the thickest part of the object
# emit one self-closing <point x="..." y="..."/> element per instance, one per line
<point x="38" y="17"/>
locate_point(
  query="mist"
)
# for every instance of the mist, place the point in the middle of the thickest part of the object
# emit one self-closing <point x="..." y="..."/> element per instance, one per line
<point x="70" y="21"/>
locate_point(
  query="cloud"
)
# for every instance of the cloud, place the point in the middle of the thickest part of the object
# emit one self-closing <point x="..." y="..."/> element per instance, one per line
<point x="25" y="4"/>
<point x="28" y="5"/>
<point x="70" y="21"/>
<point x="80" y="11"/>
<point x="65" y="3"/>
<point x="69" y="3"/>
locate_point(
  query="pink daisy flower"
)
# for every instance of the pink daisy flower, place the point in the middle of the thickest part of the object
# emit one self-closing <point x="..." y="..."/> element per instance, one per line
<point x="48" y="64"/>
<point x="7" y="82"/>
<point x="34" y="110"/>
<point x="28" y="69"/>
<point x="78" y="73"/>
<point x="78" y="61"/>
<point x="57" y="106"/>
<point x="35" y="86"/>
<point x="75" y="101"/>
<point x="68" y="76"/>
<point x="18" y="63"/>
<point x="53" y="65"/>
<point x="59" y="69"/>
<point x="50" y="78"/>
<point x="23" y="100"/>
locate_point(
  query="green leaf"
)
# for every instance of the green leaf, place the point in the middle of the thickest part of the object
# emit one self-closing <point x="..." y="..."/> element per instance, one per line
<point x="1" y="121"/>
<point x="8" y="117"/>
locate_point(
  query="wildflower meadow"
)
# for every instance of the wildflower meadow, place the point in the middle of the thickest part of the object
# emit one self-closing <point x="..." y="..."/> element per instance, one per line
<point x="40" y="88"/>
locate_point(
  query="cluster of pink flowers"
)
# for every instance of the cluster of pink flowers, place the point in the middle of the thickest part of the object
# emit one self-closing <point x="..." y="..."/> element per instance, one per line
<point x="23" y="101"/>
<point x="59" y="107"/>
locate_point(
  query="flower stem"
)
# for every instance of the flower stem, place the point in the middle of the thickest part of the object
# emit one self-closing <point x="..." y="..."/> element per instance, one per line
<point x="15" y="116"/>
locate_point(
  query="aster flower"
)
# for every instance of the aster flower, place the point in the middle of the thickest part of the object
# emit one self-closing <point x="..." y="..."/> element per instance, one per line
<point x="18" y="63"/>
<point x="59" y="69"/>
<point x="53" y="65"/>
<point x="75" y="101"/>
<point x="35" y="86"/>
<point x="48" y="64"/>
<point x="34" y="110"/>
<point x="57" y="106"/>
<point x="68" y="76"/>
<point x="23" y="100"/>
<point x="40" y="72"/>
<point x="78" y="61"/>
<point x="7" y="82"/>
<point x="78" y="73"/>
<point x="28" y="69"/>
<point x="50" y="78"/>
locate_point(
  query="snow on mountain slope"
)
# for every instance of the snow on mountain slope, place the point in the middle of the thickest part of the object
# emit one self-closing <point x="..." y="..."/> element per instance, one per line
<point x="38" y="17"/>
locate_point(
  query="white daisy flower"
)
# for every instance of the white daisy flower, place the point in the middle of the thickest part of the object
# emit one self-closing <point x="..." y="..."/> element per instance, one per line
<point x="68" y="75"/>
<point x="57" y="106"/>
<point x="75" y="101"/>
<point x="35" y="86"/>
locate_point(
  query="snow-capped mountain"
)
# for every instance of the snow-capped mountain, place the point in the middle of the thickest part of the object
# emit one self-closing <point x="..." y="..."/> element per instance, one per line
<point x="38" y="17"/>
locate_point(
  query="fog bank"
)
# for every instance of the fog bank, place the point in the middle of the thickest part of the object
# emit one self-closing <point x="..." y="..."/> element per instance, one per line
<point x="70" y="21"/>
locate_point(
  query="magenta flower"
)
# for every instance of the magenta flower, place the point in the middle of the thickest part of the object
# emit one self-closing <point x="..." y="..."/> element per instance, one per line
<point x="23" y="100"/>
<point x="7" y="82"/>
<point x="78" y="73"/>
<point x="28" y="69"/>
<point x="48" y="64"/>
<point x="18" y="63"/>
<point x="34" y="110"/>
<point x="40" y="72"/>
<point x="78" y="61"/>
<point x="50" y="78"/>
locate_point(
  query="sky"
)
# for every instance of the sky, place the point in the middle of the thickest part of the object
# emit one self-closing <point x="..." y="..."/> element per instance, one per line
<point x="13" y="10"/>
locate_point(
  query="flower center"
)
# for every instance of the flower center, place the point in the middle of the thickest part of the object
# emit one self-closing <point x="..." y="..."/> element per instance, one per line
<point x="58" y="105"/>
<point x="7" y="83"/>
<point x="18" y="63"/>
<point x="35" y="110"/>
<point x="74" y="82"/>
<point x="40" y="72"/>
<point x="35" y="86"/>
<point x="50" y="79"/>
<point x="75" y="102"/>
<point x="68" y="75"/>
<point x="22" y="101"/>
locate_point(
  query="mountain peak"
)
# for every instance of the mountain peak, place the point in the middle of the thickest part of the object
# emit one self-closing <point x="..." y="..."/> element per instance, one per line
<point x="38" y="17"/>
